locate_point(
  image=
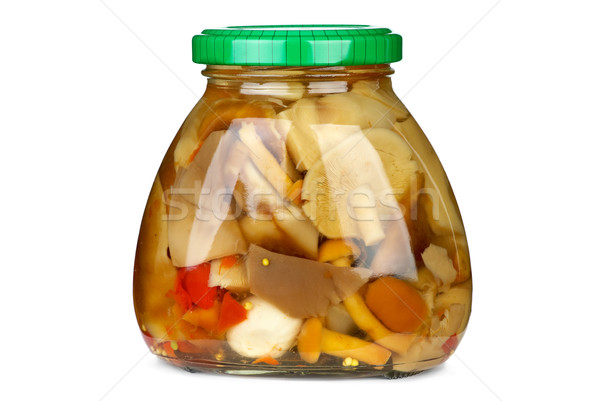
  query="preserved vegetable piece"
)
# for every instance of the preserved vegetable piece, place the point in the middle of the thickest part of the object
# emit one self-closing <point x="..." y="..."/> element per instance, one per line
<point x="206" y="318"/>
<point x="396" y="304"/>
<point x="294" y="192"/>
<point x="301" y="232"/>
<point x="394" y="254"/>
<point x="300" y="222"/>
<point x="449" y="322"/>
<point x="218" y="116"/>
<point x="267" y="331"/>
<point x="456" y="245"/>
<point x="309" y="340"/>
<point x="300" y="287"/>
<point x="232" y="313"/>
<point x="343" y="346"/>
<point x="338" y="319"/>
<point x="300" y="138"/>
<point x="437" y="261"/>
<point x="201" y="236"/>
<point x="264" y="161"/>
<point x="350" y="108"/>
<point x="333" y="249"/>
<point x="336" y="188"/>
<point x="230" y="273"/>
<point x="282" y="90"/>
<point x="195" y="283"/>
<point x="254" y="194"/>
<point x="382" y="92"/>
<point x="396" y="157"/>
<point x="364" y="319"/>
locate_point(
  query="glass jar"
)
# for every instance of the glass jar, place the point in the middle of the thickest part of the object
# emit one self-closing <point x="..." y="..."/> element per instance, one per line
<point x="300" y="222"/>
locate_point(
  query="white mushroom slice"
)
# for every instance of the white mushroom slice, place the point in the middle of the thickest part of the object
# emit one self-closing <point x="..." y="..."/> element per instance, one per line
<point x="263" y="159"/>
<point x="201" y="225"/>
<point x="336" y="187"/>
<point x="188" y="136"/>
<point x="350" y="108"/>
<point x="254" y="193"/>
<point x="299" y="137"/>
<point x="459" y="294"/>
<point x="262" y="231"/>
<point x="327" y="87"/>
<point x="394" y="256"/>
<point x="272" y="133"/>
<point x="304" y="235"/>
<point x="450" y="321"/>
<point x="199" y="235"/>
<point x="213" y="171"/>
<point x="384" y="95"/>
<point x="267" y="331"/>
<point x="365" y="213"/>
<point x="396" y="156"/>
<point x="234" y="278"/>
<point x="282" y="90"/>
<point x="437" y="261"/>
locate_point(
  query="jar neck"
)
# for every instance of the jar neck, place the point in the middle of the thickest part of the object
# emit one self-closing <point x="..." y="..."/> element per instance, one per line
<point x="325" y="79"/>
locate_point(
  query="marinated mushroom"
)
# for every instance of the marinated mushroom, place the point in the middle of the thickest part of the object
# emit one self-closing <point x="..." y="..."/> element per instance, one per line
<point x="347" y="176"/>
<point x="266" y="332"/>
<point x="437" y="261"/>
<point x="394" y="255"/>
<point x="300" y="287"/>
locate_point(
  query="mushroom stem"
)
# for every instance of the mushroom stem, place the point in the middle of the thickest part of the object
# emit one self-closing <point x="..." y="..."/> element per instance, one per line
<point x="362" y="316"/>
<point x="343" y="346"/>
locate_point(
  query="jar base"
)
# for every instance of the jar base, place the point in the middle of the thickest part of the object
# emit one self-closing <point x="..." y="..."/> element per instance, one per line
<point x="197" y="366"/>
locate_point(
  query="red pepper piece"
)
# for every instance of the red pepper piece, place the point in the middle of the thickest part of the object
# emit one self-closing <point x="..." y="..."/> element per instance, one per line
<point x="266" y="359"/>
<point x="167" y="346"/>
<point x="450" y="344"/>
<point x="179" y="294"/>
<point x="228" y="261"/>
<point x="195" y="283"/>
<point x="231" y="314"/>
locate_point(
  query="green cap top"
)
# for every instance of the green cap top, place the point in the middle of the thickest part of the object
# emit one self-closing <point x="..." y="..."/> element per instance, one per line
<point x="297" y="45"/>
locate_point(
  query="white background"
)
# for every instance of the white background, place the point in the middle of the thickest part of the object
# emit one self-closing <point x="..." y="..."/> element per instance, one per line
<point x="91" y="94"/>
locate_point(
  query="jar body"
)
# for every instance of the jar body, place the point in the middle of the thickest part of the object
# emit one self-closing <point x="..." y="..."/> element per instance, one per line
<point x="301" y="223"/>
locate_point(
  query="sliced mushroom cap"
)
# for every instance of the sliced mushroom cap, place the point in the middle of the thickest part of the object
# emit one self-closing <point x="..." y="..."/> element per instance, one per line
<point x="199" y="235"/>
<point x="300" y="287"/>
<point x="213" y="115"/>
<point x="343" y="191"/>
<point x="382" y="93"/>
<point x="281" y="90"/>
<point x="201" y="224"/>
<point x="298" y="135"/>
<point x="394" y="255"/>
<point x="439" y="263"/>
<point x="254" y="194"/>
<point x="350" y="108"/>
<point x="264" y="160"/>
<point x="396" y="156"/>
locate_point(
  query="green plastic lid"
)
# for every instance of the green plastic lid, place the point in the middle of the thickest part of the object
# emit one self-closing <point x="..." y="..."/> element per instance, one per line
<point x="297" y="45"/>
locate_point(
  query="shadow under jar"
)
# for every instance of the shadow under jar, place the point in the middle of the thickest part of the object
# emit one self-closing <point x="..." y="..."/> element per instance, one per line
<point x="300" y="222"/>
